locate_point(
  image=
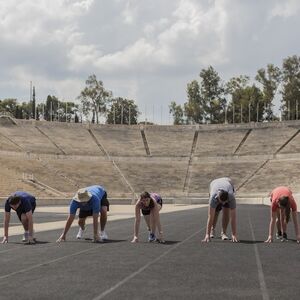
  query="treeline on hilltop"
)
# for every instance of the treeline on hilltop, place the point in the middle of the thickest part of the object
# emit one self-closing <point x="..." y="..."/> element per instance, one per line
<point x="95" y="101"/>
<point x="209" y="100"/>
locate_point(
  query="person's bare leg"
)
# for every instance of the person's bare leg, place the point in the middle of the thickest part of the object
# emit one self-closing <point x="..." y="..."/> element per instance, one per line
<point x="147" y="220"/>
<point x="103" y="217"/>
<point x="225" y="222"/>
<point x="278" y="223"/>
<point x="24" y="222"/>
<point x="215" y="221"/>
<point x="81" y="223"/>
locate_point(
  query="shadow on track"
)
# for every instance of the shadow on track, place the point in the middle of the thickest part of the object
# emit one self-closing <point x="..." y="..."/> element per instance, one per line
<point x="36" y="243"/>
<point x="106" y="241"/>
<point x="250" y="242"/>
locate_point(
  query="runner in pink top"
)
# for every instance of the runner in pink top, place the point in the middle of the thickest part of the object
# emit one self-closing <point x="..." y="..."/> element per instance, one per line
<point x="282" y="203"/>
<point x="149" y="204"/>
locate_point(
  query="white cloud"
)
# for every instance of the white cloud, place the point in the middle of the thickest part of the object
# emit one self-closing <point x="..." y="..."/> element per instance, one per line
<point x="82" y="55"/>
<point x="287" y="8"/>
<point x="177" y="40"/>
<point x="28" y="22"/>
<point x="145" y="50"/>
<point x="83" y="4"/>
<point x="138" y="55"/>
<point x="130" y="12"/>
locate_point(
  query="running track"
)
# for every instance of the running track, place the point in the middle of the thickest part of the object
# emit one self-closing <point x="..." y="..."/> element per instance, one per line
<point x="183" y="268"/>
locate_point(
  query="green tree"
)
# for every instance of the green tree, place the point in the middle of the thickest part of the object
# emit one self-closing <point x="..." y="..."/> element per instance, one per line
<point x="15" y="109"/>
<point x="252" y="102"/>
<point x="193" y="108"/>
<point x="56" y="110"/>
<point x="71" y="111"/>
<point x="177" y="112"/>
<point x="19" y="113"/>
<point x="234" y="88"/>
<point x="26" y="110"/>
<point x="290" y="87"/>
<point x="270" y="79"/>
<point x="122" y="111"/>
<point x="8" y="106"/>
<point x="94" y="98"/>
<point x="50" y="109"/>
<point x="212" y="94"/>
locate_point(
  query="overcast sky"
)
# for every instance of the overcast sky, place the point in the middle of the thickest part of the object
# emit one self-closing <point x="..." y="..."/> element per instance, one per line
<point x="145" y="50"/>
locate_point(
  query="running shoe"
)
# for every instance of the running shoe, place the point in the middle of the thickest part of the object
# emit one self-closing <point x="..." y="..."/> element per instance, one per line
<point x="25" y="237"/>
<point x="80" y="233"/>
<point x="30" y="242"/>
<point x="278" y="235"/>
<point x="224" y="237"/>
<point x="284" y="237"/>
<point x="212" y="234"/>
<point x="103" y="236"/>
<point x="151" y="238"/>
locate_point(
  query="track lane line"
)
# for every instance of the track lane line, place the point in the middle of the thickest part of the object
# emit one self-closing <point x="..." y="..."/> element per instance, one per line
<point x="48" y="262"/>
<point x="261" y="277"/>
<point x="63" y="257"/>
<point x="132" y="275"/>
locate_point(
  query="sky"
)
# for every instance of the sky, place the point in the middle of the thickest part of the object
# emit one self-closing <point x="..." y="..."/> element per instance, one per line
<point x="144" y="50"/>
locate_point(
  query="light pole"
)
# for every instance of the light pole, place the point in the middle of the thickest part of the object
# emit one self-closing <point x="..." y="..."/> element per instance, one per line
<point x="114" y="104"/>
<point x="249" y="106"/>
<point x="129" y="116"/>
<point x="241" y="113"/>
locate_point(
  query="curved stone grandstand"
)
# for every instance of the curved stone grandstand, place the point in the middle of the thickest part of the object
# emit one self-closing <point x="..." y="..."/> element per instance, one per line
<point x="52" y="160"/>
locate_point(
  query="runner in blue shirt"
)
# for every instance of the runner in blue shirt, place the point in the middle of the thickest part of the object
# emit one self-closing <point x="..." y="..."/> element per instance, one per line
<point x="24" y="204"/>
<point x="90" y="201"/>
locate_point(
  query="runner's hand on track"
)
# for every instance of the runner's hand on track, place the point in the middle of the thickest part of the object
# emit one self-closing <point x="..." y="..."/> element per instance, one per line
<point x="206" y="239"/>
<point x="135" y="239"/>
<point x="269" y="239"/>
<point x="61" y="239"/>
<point x="234" y="239"/>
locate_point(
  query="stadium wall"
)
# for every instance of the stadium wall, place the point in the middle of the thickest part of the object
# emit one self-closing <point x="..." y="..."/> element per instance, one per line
<point x="178" y="161"/>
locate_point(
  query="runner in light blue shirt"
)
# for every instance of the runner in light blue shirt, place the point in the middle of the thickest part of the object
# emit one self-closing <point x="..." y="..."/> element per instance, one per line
<point x="90" y="201"/>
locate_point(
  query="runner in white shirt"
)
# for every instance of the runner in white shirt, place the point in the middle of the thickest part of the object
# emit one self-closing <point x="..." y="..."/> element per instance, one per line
<point x="221" y="197"/>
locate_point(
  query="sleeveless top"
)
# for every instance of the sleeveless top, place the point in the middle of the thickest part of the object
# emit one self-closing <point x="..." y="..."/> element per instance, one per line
<point x="157" y="199"/>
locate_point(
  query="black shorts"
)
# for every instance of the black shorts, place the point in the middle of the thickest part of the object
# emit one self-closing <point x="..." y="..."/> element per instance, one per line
<point x="146" y="212"/>
<point x="20" y="211"/>
<point x="88" y="213"/>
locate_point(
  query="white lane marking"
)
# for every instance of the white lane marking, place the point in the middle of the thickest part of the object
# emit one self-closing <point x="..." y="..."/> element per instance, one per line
<point x="261" y="277"/>
<point x="132" y="275"/>
<point x="117" y="215"/>
<point x="60" y="258"/>
<point x="47" y="262"/>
